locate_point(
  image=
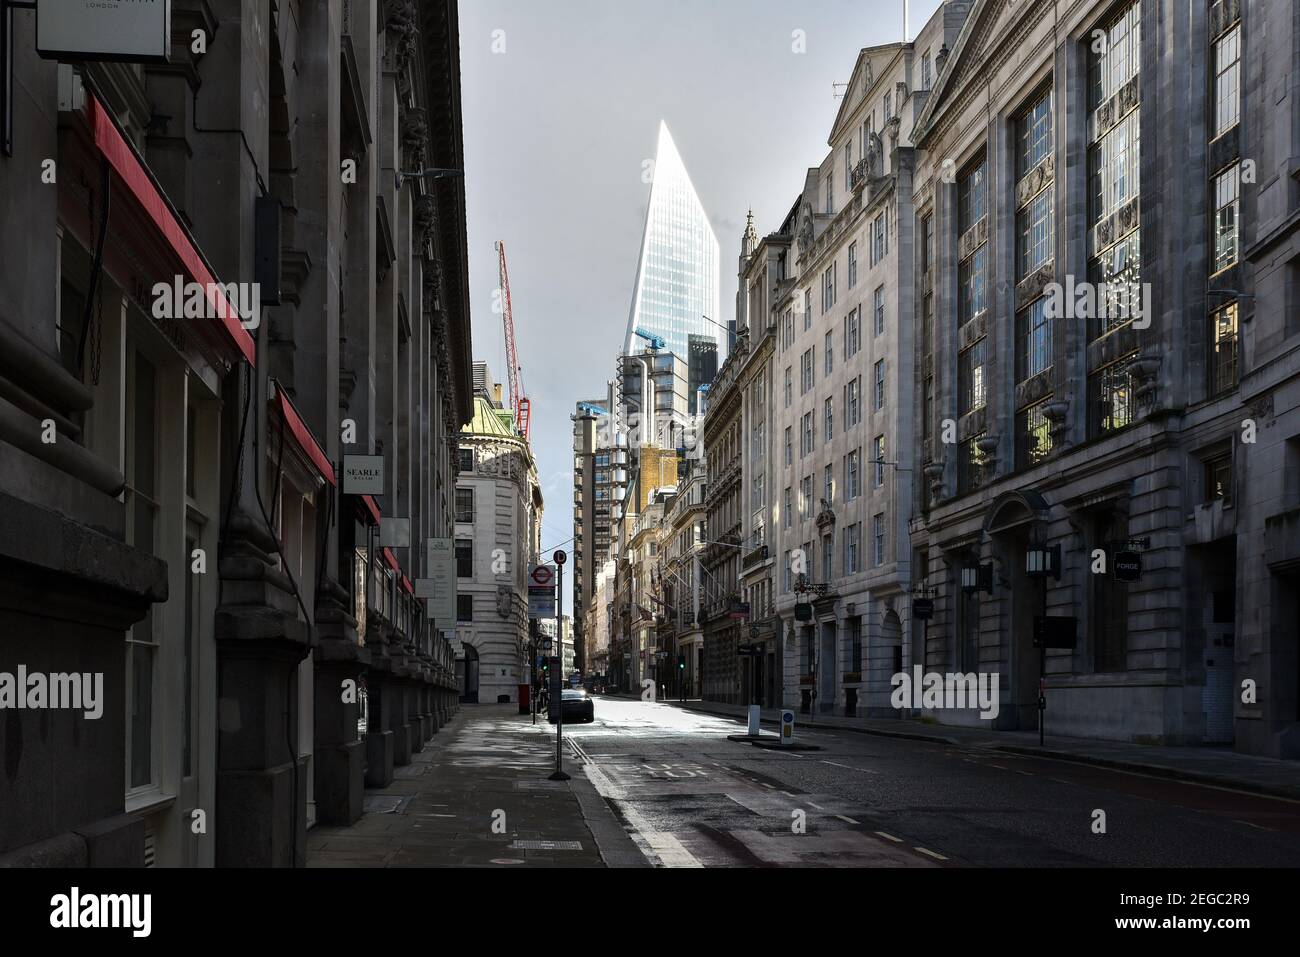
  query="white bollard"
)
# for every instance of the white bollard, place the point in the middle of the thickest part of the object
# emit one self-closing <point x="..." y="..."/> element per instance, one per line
<point x="753" y="719"/>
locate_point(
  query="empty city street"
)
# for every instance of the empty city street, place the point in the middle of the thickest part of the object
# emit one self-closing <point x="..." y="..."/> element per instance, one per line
<point x="690" y="797"/>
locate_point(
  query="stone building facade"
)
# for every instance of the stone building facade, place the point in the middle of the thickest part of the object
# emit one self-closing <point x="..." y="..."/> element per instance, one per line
<point x="498" y="536"/>
<point x="842" y="417"/>
<point x="1112" y="440"/>
<point x="173" y="524"/>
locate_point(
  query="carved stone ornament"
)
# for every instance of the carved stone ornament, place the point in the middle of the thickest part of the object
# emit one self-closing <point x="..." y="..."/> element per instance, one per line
<point x="805" y="229"/>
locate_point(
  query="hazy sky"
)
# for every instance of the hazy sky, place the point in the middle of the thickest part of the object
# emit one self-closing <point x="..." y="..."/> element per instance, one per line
<point x="557" y="127"/>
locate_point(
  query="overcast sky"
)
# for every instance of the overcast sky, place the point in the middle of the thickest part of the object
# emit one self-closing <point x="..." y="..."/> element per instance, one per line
<point x="557" y="127"/>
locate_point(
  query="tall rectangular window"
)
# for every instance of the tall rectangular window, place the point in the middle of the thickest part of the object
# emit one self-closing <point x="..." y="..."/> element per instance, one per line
<point x="970" y="286"/>
<point x="789" y="453"/>
<point x="1033" y="436"/>
<point x="464" y="558"/>
<point x="1227" y="80"/>
<point x="878" y="239"/>
<point x="828" y="353"/>
<point x="464" y="607"/>
<point x="830" y="191"/>
<point x="853" y="403"/>
<point x="852" y="333"/>
<point x="927" y="242"/>
<point x="852" y="476"/>
<point x="789" y="385"/>
<point x="1227" y="189"/>
<point x="853" y="264"/>
<point x="828" y="288"/>
<point x="971" y="465"/>
<point x="807" y="309"/>
<point x="1114" y="165"/>
<point x="787" y="520"/>
<point x="806" y="435"/>
<point x="1034" y="233"/>
<point x="1223" y="350"/>
<point x="851" y="549"/>
<point x="878" y="537"/>
<point x="878" y="459"/>
<point x="1111" y="391"/>
<point x="880" y="385"/>
<point x="927" y="409"/>
<point x="848" y="168"/>
<point x="828" y="557"/>
<point x="829" y="418"/>
<point x="464" y="505"/>
<point x="970" y="196"/>
<point x="880" y="309"/>
<point x="925" y="70"/>
<point x="1034" y="134"/>
<point x="970" y="378"/>
<point x="1033" y="340"/>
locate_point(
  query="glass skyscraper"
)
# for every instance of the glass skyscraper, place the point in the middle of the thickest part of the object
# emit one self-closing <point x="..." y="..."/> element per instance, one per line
<point x="677" y="275"/>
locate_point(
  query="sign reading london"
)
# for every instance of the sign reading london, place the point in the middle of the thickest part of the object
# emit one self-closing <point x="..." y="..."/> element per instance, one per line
<point x="104" y="29"/>
<point x="363" y="475"/>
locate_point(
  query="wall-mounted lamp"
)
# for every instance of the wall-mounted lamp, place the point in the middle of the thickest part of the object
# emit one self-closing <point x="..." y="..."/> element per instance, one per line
<point x="977" y="577"/>
<point x="1042" y="561"/>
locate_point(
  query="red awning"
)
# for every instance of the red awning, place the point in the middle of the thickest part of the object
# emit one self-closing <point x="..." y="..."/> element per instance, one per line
<point x="369" y="508"/>
<point x="120" y="155"/>
<point x="303" y="435"/>
<point x="391" y="559"/>
<point x="406" y="583"/>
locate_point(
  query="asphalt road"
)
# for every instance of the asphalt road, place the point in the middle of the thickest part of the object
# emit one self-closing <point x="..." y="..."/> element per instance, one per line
<point x="691" y="798"/>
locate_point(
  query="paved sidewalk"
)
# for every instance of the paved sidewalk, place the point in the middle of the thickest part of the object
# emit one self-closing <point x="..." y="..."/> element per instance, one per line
<point x="478" y="796"/>
<point x="1216" y="766"/>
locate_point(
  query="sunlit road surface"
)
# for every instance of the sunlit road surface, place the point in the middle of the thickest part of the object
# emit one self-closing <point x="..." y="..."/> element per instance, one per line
<point x="691" y="798"/>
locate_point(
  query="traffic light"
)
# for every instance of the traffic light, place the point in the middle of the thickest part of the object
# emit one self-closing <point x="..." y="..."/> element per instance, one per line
<point x="681" y="662"/>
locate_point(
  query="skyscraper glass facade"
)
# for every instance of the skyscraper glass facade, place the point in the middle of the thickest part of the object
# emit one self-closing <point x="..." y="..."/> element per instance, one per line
<point x="677" y="275"/>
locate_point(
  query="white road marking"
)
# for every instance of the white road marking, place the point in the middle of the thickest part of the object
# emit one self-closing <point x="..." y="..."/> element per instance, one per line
<point x="810" y="804"/>
<point x="787" y="794"/>
<point x="669" y="850"/>
<point x="843" y="818"/>
<point x="772" y="786"/>
<point x="896" y="840"/>
<point x="937" y="857"/>
<point x="849" y="767"/>
<point x="1249" y="824"/>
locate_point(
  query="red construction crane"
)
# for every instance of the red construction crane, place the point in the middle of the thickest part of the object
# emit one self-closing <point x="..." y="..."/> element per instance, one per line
<point x="519" y="403"/>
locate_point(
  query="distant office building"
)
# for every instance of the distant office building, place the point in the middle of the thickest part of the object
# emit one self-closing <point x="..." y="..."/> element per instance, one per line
<point x="677" y="275"/>
<point x="702" y="366"/>
<point x="597" y="470"/>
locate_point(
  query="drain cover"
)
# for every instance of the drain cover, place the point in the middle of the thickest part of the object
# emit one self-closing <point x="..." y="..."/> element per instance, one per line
<point x="546" y="846"/>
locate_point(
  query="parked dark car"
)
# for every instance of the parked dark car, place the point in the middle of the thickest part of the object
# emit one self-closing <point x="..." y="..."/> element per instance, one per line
<point x="577" y="706"/>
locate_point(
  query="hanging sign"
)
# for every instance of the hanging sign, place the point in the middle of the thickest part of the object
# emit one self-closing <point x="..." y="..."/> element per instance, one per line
<point x="1127" y="566"/>
<point x="128" y="30"/>
<point x="363" y="475"/>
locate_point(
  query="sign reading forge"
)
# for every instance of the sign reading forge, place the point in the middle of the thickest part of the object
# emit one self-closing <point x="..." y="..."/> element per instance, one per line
<point x="104" y="29"/>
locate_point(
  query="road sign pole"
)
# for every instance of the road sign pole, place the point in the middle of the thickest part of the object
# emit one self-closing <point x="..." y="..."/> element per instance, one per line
<point x="532" y="664"/>
<point x="559" y="774"/>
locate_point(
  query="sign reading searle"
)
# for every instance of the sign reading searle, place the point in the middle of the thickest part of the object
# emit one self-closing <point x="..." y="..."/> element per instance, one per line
<point x="104" y="29"/>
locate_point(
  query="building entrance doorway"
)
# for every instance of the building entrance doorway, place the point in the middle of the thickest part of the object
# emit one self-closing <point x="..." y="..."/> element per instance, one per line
<point x="469" y="690"/>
